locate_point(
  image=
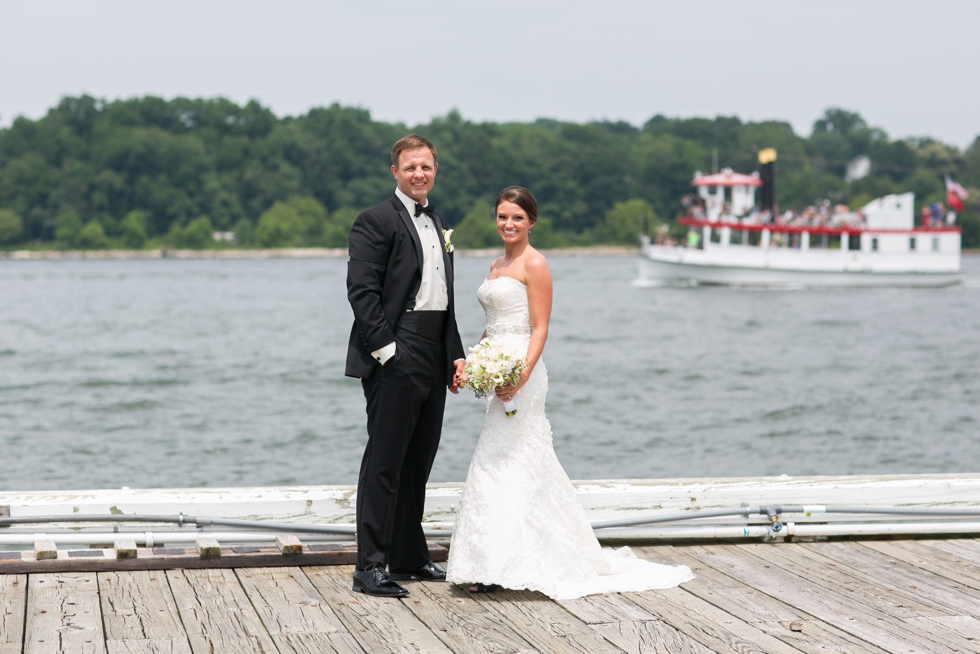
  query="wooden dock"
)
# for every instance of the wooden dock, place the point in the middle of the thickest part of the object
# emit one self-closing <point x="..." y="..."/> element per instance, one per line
<point x="845" y="596"/>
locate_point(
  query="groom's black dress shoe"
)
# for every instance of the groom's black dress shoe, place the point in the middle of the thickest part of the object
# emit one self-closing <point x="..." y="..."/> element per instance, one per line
<point x="429" y="572"/>
<point x="375" y="581"/>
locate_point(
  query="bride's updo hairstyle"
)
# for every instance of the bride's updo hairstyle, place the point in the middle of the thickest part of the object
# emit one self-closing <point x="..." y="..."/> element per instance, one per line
<point x="522" y="198"/>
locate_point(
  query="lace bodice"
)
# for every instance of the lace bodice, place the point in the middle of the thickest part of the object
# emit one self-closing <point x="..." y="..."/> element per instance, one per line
<point x="504" y="300"/>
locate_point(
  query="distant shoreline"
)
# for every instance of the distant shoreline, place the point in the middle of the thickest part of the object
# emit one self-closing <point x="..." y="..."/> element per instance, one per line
<point x="283" y="253"/>
<point x="302" y="253"/>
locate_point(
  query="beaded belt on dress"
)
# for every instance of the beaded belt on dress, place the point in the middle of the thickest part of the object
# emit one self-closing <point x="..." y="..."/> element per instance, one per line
<point x="500" y="330"/>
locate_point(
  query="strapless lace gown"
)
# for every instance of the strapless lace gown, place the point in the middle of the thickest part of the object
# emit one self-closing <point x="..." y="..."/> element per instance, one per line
<point x="519" y="523"/>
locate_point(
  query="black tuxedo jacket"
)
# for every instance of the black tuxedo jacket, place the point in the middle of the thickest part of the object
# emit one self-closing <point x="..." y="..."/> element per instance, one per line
<point x="383" y="276"/>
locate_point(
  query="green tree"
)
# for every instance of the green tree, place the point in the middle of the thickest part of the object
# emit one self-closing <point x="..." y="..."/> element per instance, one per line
<point x="543" y="235"/>
<point x="839" y="121"/>
<point x="68" y="226"/>
<point x="292" y="223"/>
<point x="478" y="228"/>
<point x="626" y="221"/>
<point x="197" y="235"/>
<point x="244" y="232"/>
<point x="11" y="226"/>
<point x="971" y="164"/>
<point x="178" y="159"/>
<point x="132" y="230"/>
<point x="969" y="222"/>
<point x="92" y="236"/>
<point x="336" y="230"/>
<point x="174" y="236"/>
<point x="926" y="186"/>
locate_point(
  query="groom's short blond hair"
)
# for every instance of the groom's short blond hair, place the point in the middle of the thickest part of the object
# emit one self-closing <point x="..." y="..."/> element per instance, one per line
<point x="412" y="142"/>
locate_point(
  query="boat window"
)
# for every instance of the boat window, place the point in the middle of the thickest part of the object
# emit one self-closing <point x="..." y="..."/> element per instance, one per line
<point x="874" y="244"/>
<point x="912" y="243"/>
<point x="754" y="237"/>
<point x="854" y="242"/>
<point x="935" y="245"/>
<point x="715" y="235"/>
<point x="833" y="241"/>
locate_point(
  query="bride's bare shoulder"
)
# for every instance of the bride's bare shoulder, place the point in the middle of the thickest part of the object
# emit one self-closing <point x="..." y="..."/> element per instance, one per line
<point x="536" y="265"/>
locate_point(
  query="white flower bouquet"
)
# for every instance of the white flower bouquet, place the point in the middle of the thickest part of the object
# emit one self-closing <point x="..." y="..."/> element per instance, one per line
<point x="489" y="366"/>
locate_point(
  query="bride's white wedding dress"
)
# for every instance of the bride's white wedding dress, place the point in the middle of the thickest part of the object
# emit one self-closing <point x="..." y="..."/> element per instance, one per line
<point x="519" y="523"/>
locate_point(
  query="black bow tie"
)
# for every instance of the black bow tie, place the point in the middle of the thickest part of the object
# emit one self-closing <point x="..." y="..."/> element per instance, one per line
<point x="428" y="210"/>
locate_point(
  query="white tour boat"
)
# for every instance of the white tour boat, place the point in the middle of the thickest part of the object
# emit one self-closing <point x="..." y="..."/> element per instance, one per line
<point x="879" y="246"/>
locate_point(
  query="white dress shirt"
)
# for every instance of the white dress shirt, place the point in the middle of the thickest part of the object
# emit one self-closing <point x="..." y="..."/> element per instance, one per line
<point x="433" y="294"/>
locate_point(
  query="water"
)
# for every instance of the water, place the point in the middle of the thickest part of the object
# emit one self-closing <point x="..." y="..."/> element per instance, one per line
<point x="165" y="373"/>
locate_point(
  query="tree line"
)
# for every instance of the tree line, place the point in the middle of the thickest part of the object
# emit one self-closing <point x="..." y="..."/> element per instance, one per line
<point x="147" y="172"/>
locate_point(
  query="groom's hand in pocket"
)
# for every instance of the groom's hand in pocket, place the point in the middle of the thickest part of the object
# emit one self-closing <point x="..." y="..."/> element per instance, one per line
<point x="458" y="377"/>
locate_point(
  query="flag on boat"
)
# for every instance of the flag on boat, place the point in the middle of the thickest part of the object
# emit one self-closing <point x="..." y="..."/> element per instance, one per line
<point x="955" y="194"/>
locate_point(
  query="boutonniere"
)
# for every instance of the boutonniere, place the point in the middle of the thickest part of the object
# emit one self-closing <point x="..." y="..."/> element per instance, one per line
<point x="447" y="240"/>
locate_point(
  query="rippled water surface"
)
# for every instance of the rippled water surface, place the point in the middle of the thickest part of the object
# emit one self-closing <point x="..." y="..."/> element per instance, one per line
<point x="230" y="373"/>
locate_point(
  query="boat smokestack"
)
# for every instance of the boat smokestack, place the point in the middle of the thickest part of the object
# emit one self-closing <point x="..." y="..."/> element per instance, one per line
<point x="767" y="159"/>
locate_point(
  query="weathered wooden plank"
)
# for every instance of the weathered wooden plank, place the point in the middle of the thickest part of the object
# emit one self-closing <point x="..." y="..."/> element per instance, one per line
<point x="13" y="600"/>
<point x="648" y="637"/>
<point x="628" y="626"/>
<point x="125" y="548"/>
<point x="208" y="548"/>
<point x="965" y="626"/>
<point x="294" y="613"/>
<point x="900" y="578"/>
<point x="707" y="624"/>
<point x="967" y="548"/>
<point x="931" y="606"/>
<point x="920" y="554"/>
<point x="833" y="575"/>
<point x="63" y="615"/>
<point x="544" y="624"/>
<point x="289" y="544"/>
<point x="138" y="608"/>
<point x="45" y="550"/>
<point x="458" y="620"/>
<point x="599" y="609"/>
<point x="844" y="607"/>
<point x="216" y="613"/>
<point x="787" y="623"/>
<point x="144" y="646"/>
<point x="378" y="624"/>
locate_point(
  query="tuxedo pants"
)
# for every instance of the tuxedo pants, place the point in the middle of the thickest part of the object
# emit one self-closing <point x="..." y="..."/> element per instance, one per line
<point x="405" y="403"/>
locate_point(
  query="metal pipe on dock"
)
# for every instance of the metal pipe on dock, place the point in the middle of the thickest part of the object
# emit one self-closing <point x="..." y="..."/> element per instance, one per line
<point x="637" y="527"/>
<point x="708" y="532"/>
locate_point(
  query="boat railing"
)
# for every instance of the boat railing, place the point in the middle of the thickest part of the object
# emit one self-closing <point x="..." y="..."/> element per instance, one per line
<point x="811" y="229"/>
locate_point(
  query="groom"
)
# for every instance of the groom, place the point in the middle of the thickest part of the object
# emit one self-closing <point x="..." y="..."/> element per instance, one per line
<point x="406" y="349"/>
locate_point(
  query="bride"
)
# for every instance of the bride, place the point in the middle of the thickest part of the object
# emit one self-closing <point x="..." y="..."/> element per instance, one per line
<point x="519" y="524"/>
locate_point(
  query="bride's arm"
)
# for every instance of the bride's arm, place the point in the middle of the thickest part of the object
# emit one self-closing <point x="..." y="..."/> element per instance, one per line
<point x="538" y="279"/>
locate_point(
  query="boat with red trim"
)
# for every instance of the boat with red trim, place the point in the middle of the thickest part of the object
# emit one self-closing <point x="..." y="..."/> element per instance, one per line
<point x="730" y="242"/>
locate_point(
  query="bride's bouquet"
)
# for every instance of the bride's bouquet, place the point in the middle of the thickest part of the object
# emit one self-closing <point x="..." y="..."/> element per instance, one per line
<point x="489" y="366"/>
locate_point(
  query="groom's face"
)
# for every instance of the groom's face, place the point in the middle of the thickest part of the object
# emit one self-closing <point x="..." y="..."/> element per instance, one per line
<point x="415" y="173"/>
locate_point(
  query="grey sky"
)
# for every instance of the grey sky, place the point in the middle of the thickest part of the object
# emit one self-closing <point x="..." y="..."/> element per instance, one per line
<point x="908" y="67"/>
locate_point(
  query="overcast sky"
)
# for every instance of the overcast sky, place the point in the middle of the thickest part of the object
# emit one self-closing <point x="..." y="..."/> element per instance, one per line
<point x="908" y="67"/>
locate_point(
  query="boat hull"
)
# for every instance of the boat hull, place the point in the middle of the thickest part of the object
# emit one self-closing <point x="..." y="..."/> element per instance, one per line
<point x="654" y="270"/>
